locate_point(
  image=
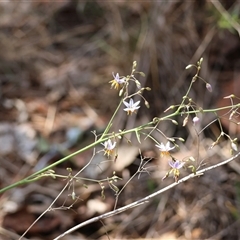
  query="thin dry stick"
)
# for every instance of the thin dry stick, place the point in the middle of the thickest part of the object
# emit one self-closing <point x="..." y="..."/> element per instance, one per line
<point x="47" y="210"/>
<point x="146" y="199"/>
<point x="67" y="184"/>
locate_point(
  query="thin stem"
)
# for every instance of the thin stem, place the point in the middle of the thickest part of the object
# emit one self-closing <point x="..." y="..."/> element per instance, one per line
<point x="190" y="87"/>
<point x="111" y="120"/>
<point x="47" y="210"/>
<point x="35" y="176"/>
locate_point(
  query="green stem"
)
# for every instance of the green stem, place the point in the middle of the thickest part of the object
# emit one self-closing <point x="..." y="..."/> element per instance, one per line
<point x="111" y="120"/>
<point x="35" y="176"/>
<point x="177" y="112"/>
<point x="189" y="88"/>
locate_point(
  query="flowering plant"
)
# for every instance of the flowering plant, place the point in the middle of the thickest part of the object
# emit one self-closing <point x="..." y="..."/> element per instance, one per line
<point x="131" y="107"/>
<point x="187" y="109"/>
<point x="117" y="81"/>
<point x="165" y="149"/>
<point x="108" y="147"/>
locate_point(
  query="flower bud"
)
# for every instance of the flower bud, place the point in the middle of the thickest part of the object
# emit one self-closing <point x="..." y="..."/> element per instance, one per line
<point x="189" y="66"/>
<point x="209" y="87"/>
<point x="185" y="121"/>
<point x="120" y="92"/>
<point x="234" y="146"/>
<point x="195" y="120"/>
<point x="147" y="104"/>
<point x="138" y="84"/>
<point x="200" y="61"/>
<point x="181" y="139"/>
<point x="192" y="159"/>
<point x="174" y="122"/>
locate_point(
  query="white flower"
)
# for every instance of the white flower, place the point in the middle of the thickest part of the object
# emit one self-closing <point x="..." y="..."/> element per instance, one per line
<point x="131" y="106"/>
<point x="164" y="149"/>
<point x="117" y="81"/>
<point x="109" y="147"/>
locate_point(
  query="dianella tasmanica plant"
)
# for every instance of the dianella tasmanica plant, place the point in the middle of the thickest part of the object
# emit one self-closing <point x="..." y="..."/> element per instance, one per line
<point x="109" y="140"/>
<point x="190" y="113"/>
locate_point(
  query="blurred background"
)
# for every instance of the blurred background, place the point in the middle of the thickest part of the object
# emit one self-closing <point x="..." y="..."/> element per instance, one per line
<point x="56" y="61"/>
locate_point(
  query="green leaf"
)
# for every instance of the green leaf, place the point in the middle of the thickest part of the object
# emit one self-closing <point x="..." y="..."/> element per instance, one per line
<point x="138" y="136"/>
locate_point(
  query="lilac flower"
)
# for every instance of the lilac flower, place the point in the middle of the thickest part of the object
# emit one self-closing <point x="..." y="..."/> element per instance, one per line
<point x="108" y="147"/>
<point x="176" y="165"/>
<point x="131" y="106"/>
<point x="164" y="149"/>
<point x="117" y="81"/>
